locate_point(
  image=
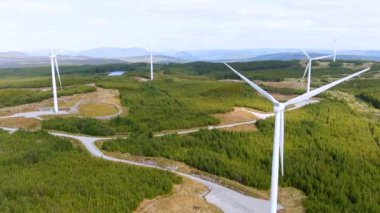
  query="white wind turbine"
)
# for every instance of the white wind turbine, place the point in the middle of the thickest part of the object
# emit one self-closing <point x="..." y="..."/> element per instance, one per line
<point x="54" y="69"/>
<point x="309" y="65"/>
<point x="279" y="109"/>
<point x="151" y="66"/>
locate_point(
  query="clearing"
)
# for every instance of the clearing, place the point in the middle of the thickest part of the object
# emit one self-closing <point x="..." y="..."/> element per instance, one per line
<point x="186" y="197"/>
<point x="289" y="84"/>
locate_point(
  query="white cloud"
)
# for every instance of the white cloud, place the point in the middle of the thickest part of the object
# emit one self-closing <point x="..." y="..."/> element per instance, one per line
<point x="25" y="6"/>
<point x="97" y="21"/>
<point x="182" y="24"/>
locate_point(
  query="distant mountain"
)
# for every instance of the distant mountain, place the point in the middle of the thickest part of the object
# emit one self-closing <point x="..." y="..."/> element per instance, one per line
<point x="157" y="59"/>
<point x="16" y="59"/>
<point x="216" y="55"/>
<point x="300" y="56"/>
<point x="185" y="55"/>
<point x="132" y="55"/>
<point x="106" y="52"/>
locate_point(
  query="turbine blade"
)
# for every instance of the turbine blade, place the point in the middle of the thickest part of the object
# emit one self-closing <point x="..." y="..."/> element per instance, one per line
<point x="255" y="86"/>
<point x="307" y="68"/>
<point x="304" y="52"/>
<point x="315" y="92"/>
<point x="59" y="76"/>
<point x="282" y="126"/>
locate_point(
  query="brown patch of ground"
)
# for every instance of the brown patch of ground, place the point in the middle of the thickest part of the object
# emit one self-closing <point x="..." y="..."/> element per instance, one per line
<point x="241" y="128"/>
<point x="97" y="109"/>
<point x="24" y="123"/>
<point x="291" y="198"/>
<point x="232" y="80"/>
<point x="235" y="116"/>
<point x="377" y="75"/>
<point x="100" y="96"/>
<point x="283" y="97"/>
<point x="290" y="83"/>
<point x="24" y="108"/>
<point x="140" y="79"/>
<point x="353" y="66"/>
<point x="103" y="102"/>
<point x="186" y="198"/>
<point x="322" y="65"/>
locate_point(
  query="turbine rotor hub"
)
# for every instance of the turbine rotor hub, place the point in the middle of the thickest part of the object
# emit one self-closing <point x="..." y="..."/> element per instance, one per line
<point x="279" y="107"/>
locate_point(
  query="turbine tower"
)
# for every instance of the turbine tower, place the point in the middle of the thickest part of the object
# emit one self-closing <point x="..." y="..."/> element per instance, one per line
<point x="54" y="69"/>
<point x="151" y="66"/>
<point x="278" y="142"/>
<point x="309" y="65"/>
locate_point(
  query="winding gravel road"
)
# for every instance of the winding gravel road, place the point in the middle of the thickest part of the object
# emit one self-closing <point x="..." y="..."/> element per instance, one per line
<point x="227" y="200"/>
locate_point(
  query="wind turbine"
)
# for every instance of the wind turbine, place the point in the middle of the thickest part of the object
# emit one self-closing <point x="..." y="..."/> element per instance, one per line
<point x="54" y="68"/>
<point x="278" y="141"/>
<point x="309" y="65"/>
<point x="151" y="66"/>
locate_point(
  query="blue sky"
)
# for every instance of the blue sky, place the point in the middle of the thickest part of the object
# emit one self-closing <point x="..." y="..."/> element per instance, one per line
<point x="189" y="24"/>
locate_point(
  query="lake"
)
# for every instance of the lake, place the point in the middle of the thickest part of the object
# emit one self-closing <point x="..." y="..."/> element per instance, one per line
<point x="116" y="73"/>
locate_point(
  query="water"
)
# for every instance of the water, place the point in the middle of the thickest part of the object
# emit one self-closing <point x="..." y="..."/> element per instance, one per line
<point x="116" y="73"/>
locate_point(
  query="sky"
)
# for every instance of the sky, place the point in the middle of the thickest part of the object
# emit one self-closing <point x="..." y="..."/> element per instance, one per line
<point x="189" y="24"/>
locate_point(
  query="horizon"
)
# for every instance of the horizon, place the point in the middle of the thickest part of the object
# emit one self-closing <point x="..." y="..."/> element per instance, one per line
<point x="293" y="49"/>
<point x="211" y="24"/>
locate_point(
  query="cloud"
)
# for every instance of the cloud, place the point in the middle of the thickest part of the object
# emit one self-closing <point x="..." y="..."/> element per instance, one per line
<point x="97" y="21"/>
<point x="25" y="6"/>
<point x="181" y="24"/>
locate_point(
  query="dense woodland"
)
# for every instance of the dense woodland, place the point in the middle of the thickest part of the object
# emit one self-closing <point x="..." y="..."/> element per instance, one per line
<point x="155" y="105"/>
<point x="331" y="154"/>
<point x="87" y="126"/>
<point x="42" y="173"/>
<point x="367" y="90"/>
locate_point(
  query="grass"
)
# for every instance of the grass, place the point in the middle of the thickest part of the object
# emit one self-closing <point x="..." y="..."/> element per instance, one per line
<point x="97" y="109"/>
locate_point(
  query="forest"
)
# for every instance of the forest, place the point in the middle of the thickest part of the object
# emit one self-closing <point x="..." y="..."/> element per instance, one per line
<point x="153" y="105"/>
<point x="87" y="126"/>
<point x="331" y="153"/>
<point x="365" y="89"/>
<point x="43" y="173"/>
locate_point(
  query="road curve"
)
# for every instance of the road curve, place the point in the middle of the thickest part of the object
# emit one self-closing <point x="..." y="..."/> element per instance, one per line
<point x="227" y="200"/>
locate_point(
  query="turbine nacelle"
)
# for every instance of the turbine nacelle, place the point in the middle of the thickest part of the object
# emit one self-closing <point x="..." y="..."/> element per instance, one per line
<point x="310" y="63"/>
<point x="278" y="107"/>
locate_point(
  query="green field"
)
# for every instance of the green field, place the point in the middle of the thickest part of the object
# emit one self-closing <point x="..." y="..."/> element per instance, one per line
<point x="43" y="173"/>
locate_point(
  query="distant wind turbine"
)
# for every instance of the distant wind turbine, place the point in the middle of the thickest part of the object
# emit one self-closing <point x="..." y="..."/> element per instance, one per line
<point x="54" y="69"/>
<point x="279" y="109"/>
<point x="151" y="66"/>
<point x="310" y="63"/>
